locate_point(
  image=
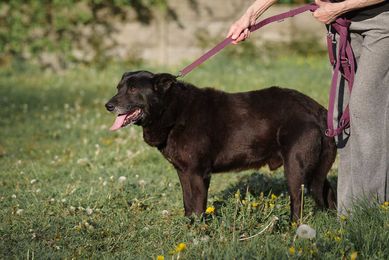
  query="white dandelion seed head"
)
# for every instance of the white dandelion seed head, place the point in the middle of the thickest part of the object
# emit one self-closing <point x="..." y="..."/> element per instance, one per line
<point x="122" y="179"/>
<point x="305" y="231"/>
<point x="19" y="211"/>
<point x="89" y="211"/>
<point x="104" y="183"/>
<point x="72" y="209"/>
<point x="204" y="239"/>
<point x="83" y="161"/>
<point x="13" y="196"/>
<point x="33" y="181"/>
<point x="165" y="213"/>
<point x="38" y="190"/>
<point x="63" y="200"/>
<point x="142" y="183"/>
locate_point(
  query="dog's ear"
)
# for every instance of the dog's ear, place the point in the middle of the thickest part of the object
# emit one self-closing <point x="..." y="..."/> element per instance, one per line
<point x="164" y="81"/>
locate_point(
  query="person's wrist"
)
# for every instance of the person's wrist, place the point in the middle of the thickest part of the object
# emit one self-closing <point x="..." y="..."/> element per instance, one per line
<point x="250" y="14"/>
<point x="340" y="8"/>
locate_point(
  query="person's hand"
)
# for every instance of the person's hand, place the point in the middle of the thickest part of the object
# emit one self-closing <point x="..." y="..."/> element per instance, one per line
<point x="327" y="11"/>
<point x="239" y="31"/>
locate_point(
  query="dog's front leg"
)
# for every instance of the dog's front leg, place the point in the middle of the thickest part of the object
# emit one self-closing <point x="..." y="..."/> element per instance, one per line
<point x="195" y="192"/>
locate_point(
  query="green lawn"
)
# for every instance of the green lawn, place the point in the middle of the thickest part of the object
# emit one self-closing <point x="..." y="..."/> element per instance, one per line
<point x="62" y="194"/>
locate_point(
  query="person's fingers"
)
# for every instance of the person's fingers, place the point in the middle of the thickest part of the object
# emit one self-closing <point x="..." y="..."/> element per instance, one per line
<point x="230" y="31"/>
<point x="241" y="37"/>
<point x="318" y="2"/>
<point x="247" y="33"/>
<point x="316" y="13"/>
<point x="237" y="32"/>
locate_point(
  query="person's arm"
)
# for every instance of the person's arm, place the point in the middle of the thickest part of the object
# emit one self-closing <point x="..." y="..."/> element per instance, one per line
<point x="328" y="12"/>
<point x="239" y="30"/>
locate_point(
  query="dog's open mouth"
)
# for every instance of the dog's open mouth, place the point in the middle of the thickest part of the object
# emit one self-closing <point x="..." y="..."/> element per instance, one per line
<point x="130" y="117"/>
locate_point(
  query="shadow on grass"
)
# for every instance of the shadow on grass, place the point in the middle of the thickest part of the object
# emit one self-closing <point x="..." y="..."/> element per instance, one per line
<point x="258" y="183"/>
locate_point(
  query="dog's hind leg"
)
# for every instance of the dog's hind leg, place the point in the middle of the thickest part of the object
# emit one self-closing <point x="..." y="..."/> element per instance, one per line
<point x="295" y="180"/>
<point x="320" y="187"/>
<point x="300" y="152"/>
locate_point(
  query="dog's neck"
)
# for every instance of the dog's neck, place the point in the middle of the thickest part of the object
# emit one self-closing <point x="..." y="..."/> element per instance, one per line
<point x="158" y="128"/>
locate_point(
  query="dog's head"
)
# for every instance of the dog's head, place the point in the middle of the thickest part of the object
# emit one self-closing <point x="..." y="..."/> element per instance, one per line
<point x="139" y="96"/>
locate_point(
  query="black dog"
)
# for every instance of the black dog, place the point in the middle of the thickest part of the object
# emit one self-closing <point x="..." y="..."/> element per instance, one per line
<point x="204" y="131"/>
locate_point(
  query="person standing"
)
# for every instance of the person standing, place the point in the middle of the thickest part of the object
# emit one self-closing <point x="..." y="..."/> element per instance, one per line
<point x="364" y="154"/>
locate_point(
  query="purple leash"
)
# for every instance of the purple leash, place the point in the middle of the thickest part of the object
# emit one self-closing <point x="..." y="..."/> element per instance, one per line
<point x="227" y="41"/>
<point x="343" y="62"/>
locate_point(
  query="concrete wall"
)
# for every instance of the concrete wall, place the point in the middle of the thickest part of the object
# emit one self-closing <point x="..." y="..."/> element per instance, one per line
<point x="168" y="42"/>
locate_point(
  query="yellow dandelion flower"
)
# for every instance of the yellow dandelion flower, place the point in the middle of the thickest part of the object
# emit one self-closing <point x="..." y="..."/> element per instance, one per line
<point x="354" y="255"/>
<point x="244" y="202"/>
<point x="294" y="224"/>
<point x="337" y="238"/>
<point x="237" y="194"/>
<point x="160" y="257"/>
<point x="291" y="250"/>
<point x="343" y="218"/>
<point x="180" y="247"/>
<point x="254" y="204"/>
<point x="385" y="205"/>
<point x="271" y="205"/>
<point x="210" y="210"/>
<point x="273" y="197"/>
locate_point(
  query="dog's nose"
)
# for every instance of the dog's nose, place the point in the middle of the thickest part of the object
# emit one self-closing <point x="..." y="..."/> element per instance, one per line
<point x="110" y="107"/>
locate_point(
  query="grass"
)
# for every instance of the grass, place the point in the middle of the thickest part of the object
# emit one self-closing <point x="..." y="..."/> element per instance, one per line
<point x="62" y="194"/>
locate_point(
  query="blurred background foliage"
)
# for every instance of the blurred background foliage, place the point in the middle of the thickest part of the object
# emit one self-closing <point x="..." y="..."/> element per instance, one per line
<point x="35" y="29"/>
<point x="56" y="33"/>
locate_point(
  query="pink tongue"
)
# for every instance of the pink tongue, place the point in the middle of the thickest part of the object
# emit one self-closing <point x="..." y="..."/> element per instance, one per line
<point x="118" y="122"/>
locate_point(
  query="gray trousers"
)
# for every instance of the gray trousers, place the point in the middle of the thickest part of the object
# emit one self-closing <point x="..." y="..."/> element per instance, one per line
<point x="364" y="160"/>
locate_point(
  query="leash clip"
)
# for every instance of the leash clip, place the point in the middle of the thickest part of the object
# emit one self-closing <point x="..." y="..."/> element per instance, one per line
<point x="331" y="34"/>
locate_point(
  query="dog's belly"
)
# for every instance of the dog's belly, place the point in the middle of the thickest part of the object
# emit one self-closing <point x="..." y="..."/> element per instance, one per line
<point x="244" y="162"/>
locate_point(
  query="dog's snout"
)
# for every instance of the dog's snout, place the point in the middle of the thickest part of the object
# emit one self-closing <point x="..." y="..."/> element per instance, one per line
<point x="110" y="107"/>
